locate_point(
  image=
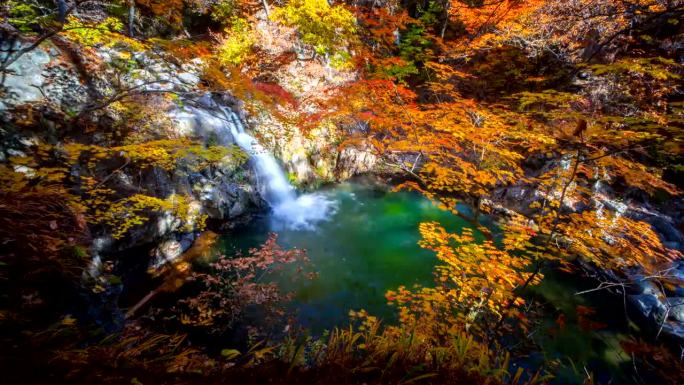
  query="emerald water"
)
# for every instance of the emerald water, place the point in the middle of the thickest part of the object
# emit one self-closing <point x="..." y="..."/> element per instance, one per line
<point x="367" y="245"/>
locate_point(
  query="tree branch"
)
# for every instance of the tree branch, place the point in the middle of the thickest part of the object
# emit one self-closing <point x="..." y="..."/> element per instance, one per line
<point x="63" y="14"/>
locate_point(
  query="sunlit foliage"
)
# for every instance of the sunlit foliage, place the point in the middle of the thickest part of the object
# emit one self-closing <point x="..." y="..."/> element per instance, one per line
<point x="233" y="287"/>
<point x="329" y="29"/>
<point x="237" y="44"/>
<point x="565" y="116"/>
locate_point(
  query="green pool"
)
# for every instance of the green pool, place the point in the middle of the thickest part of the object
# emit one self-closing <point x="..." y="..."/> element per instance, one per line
<point x="367" y="244"/>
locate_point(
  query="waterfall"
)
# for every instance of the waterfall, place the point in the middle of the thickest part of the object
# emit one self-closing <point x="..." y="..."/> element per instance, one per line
<point x="289" y="210"/>
<point x="275" y="188"/>
<point x="206" y="118"/>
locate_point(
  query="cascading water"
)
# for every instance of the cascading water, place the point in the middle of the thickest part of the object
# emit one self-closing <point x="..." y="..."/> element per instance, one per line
<point x="289" y="210"/>
<point x="206" y="118"/>
<point x="276" y="189"/>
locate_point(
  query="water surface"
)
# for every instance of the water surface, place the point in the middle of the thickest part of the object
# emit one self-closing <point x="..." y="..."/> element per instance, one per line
<point x="366" y="246"/>
<point x="365" y="243"/>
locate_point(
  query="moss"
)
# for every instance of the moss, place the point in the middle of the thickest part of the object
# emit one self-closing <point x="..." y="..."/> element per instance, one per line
<point x="79" y="252"/>
<point x="136" y="210"/>
<point x="291" y="177"/>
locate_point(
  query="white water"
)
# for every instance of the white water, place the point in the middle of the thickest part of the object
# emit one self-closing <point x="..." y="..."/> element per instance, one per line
<point x="289" y="210"/>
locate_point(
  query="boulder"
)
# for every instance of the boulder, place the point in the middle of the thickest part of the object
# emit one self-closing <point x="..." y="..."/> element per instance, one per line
<point x="169" y="250"/>
<point x="648" y="305"/>
<point x="353" y="161"/>
<point x="25" y="76"/>
<point x="676" y="308"/>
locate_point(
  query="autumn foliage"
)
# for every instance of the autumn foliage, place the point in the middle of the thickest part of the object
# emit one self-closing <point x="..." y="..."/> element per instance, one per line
<point x="562" y="120"/>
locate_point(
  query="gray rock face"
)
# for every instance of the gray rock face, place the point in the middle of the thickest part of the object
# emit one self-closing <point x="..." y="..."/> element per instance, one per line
<point x="39" y="76"/>
<point x="226" y="201"/>
<point x="353" y="161"/>
<point x="26" y="77"/>
<point x="188" y="78"/>
<point x="206" y="123"/>
<point x="223" y="192"/>
<point x="300" y="165"/>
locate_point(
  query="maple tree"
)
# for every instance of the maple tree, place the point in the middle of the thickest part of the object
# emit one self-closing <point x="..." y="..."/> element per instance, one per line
<point x="454" y="147"/>
<point x="234" y="285"/>
<point x="571" y="109"/>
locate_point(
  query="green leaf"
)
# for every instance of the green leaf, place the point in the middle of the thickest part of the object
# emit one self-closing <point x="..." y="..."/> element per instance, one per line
<point x="230" y="354"/>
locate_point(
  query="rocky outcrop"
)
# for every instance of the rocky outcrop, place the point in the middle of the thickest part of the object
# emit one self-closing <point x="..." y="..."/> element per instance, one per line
<point x="657" y="308"/>
<point x="354" y="161"/>
<point x="25" y="77"/>
<point x="45" y="78"/>
<point x="40" y="75"/>
<point x="314" y="156"/>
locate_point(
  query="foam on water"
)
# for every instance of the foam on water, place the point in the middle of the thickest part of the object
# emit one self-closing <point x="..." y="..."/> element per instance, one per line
<point x="303" y="212"/>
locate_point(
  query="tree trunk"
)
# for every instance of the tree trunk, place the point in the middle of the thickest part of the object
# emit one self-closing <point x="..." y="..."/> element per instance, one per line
<point x="266" y="9"/>
<point x="477" y="201"/>
<point x="61" y="10"/>
<point x="446" y="19"/>
<point x="131" y="18"/>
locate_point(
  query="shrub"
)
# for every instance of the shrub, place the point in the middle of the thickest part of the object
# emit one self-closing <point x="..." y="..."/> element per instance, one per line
<point x="327" y="28"/>
<point x="237" y="45"/>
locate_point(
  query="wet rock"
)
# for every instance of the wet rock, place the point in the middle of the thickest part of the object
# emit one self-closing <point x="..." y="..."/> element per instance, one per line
<point x="227" y="201"/>
<point x="241" y="204"/>
<point x="645" y="286"/>
<point x="678" y="276"/>
<point x="169" y="250"/>
<point x="206" y="123"/>
<point x="674" y="330"/>
<point x="648" y="305"/>
<point x="652" y="306"/>
<point x="676" y="308"/>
